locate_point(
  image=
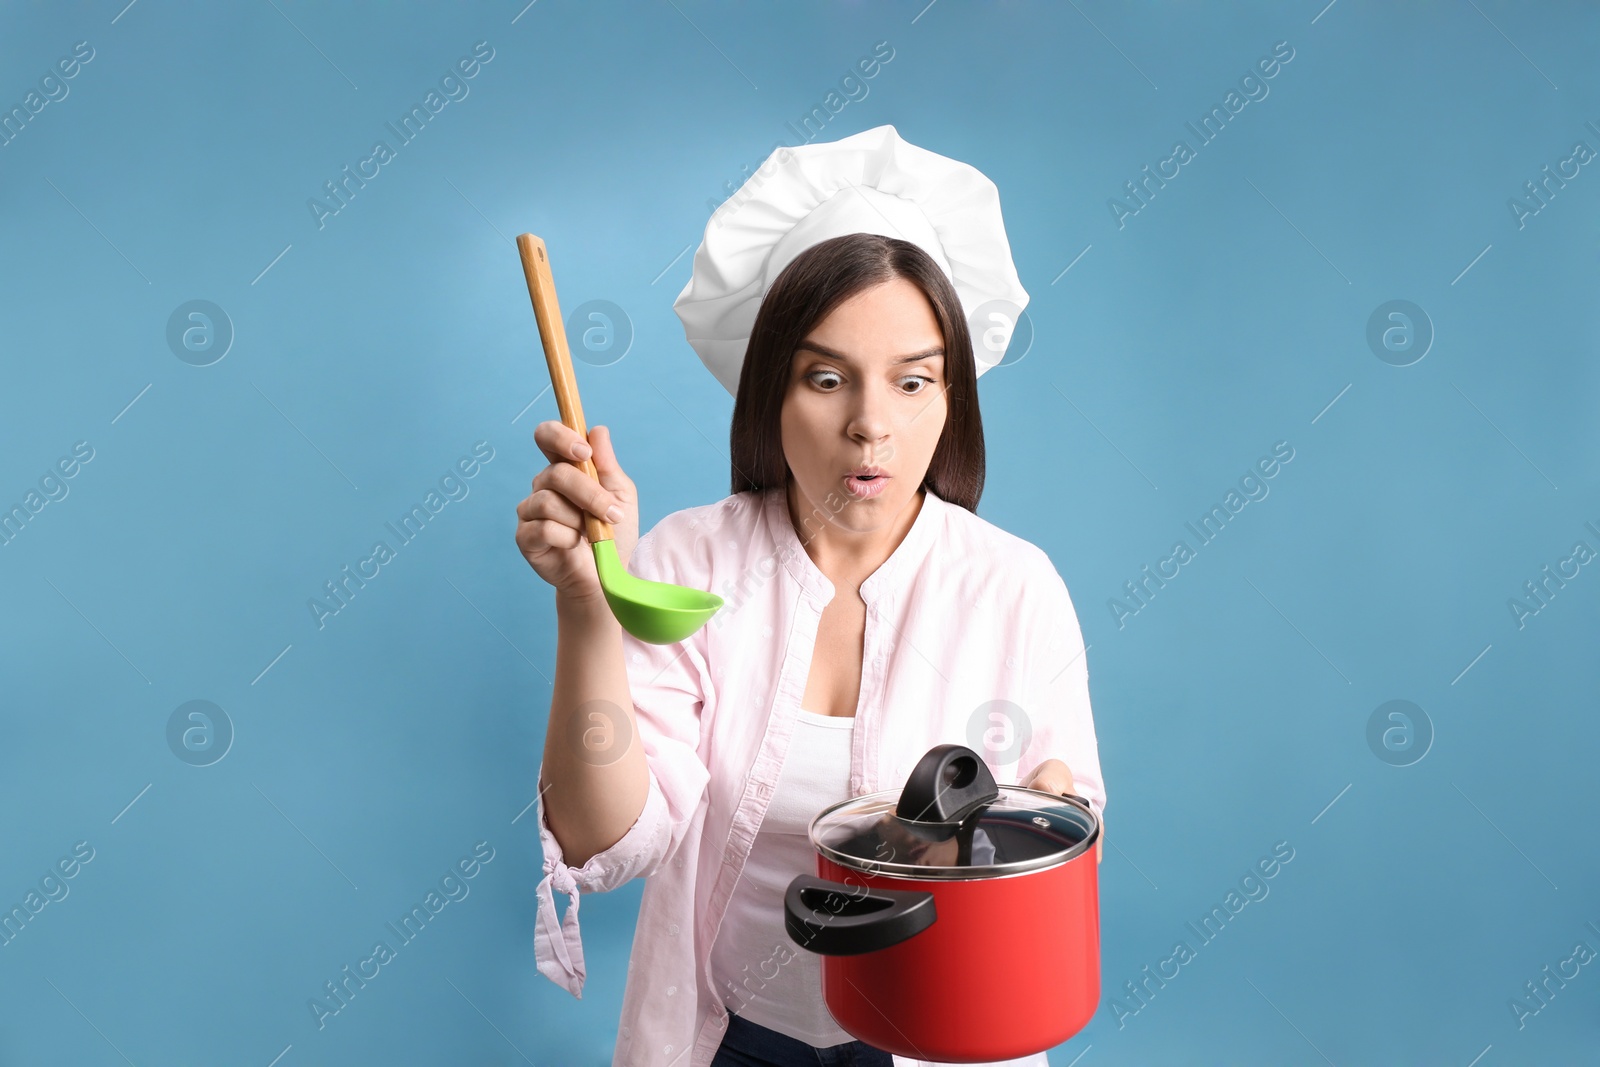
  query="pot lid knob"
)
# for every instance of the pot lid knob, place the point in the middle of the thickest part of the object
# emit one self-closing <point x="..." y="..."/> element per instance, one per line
<point x="947" y="785"/>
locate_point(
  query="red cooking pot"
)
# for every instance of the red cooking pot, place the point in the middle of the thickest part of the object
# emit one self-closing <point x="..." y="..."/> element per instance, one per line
<point x="958" y="920"/>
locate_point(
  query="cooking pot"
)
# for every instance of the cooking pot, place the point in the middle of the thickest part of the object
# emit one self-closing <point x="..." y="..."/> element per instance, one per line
<point x="958" y="920"/>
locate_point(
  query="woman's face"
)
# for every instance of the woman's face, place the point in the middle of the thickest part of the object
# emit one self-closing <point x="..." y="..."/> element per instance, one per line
<point x="866" y="391"/>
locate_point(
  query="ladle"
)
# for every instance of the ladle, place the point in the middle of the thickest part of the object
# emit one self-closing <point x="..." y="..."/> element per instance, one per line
<point x="657" y="612"/>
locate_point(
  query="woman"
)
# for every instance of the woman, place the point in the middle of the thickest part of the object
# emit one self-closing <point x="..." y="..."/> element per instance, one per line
<point x="870" y="614"/>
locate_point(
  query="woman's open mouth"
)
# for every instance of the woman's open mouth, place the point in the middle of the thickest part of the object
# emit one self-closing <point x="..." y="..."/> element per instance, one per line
<point x="864" y="485"/>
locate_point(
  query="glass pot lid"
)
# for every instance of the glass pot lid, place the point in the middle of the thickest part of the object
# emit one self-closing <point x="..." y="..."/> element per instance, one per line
<point x="952" y="821"/>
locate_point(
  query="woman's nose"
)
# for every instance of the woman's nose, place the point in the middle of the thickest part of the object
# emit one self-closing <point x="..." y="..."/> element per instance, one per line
<point x="869" y="422"/>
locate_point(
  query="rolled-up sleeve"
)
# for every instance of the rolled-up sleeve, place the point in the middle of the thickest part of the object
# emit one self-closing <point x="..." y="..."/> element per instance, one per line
<point x="668" y="685"/>
<point x="1061" y="721"/>
<point x="557" y="947"/>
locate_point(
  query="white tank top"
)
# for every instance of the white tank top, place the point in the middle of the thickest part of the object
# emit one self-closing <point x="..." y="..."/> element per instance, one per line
<point x="748" y="958"/>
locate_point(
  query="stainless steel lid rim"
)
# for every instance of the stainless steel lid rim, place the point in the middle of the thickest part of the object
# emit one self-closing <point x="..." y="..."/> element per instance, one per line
<point x="906" y="873"/>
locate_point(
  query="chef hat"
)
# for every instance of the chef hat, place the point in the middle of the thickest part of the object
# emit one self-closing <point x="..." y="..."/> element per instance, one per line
<point x="869" y="182"/>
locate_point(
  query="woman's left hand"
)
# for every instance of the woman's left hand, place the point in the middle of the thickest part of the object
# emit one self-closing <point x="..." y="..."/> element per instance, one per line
<point x="1053" y="776"/>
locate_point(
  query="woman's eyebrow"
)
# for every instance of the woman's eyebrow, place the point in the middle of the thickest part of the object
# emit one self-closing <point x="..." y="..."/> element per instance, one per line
<point x="936" y="352"/>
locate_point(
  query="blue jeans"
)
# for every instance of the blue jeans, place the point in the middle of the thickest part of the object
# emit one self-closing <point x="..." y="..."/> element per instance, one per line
<point x="748" y="1044"/>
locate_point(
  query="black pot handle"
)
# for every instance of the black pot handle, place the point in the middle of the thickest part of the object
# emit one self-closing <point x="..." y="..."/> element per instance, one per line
<point x="949" y="783"/>
<point x="833" y="919"/>
<point x="1082" y="802"/>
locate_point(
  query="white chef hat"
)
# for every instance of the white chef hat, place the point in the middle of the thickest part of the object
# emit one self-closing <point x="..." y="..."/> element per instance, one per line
<point x="870" y="182"/>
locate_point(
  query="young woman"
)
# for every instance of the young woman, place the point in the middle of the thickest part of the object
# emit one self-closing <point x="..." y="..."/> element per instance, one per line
<point x="870" y="614"/>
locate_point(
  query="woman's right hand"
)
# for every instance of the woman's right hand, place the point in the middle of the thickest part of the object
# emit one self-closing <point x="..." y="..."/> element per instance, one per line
<point x="550" y="519"/>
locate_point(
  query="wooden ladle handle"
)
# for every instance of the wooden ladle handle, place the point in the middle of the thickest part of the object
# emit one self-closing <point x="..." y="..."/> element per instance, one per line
<point x="542" y="290"/>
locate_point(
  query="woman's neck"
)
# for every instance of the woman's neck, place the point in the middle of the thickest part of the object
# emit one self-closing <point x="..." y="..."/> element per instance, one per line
<point x="847" y="557"/>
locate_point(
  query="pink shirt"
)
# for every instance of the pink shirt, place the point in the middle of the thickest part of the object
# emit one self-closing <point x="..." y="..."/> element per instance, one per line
<point x="970" y="638"/>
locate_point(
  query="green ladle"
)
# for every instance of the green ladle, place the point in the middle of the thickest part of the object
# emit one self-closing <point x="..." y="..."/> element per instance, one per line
<point x="657" y="612"/>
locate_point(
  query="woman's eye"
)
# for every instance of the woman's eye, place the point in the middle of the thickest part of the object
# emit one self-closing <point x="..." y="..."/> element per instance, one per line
<point x="827" y="381"/>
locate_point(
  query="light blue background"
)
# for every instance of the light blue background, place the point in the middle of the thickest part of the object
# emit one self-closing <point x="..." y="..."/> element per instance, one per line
<point x="1227" y="315"/>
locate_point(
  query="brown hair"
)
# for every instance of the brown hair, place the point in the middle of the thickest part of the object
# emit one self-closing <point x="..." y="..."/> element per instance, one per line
<point x="808" y="289"/>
